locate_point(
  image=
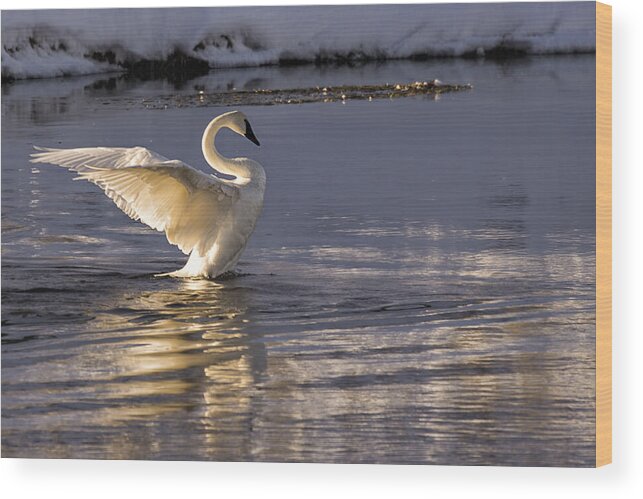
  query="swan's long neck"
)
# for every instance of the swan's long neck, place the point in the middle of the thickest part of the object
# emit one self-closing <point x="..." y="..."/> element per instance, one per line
<point x="231" y="166"/>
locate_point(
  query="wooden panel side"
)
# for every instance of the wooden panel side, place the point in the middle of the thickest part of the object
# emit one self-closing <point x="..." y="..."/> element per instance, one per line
<point x="603" y="234"/>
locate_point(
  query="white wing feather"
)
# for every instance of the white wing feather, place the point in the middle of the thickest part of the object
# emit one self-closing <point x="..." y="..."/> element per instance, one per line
<point x="110" y="157"/>
<point x="169" y="196"/>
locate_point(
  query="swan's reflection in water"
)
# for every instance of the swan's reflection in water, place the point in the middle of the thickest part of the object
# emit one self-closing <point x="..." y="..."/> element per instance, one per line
<point x="178" y="353"/>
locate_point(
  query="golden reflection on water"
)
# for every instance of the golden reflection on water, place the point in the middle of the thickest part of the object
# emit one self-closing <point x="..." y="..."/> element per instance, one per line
<point x="181" y="369"/>
<point x="150" y="355"/>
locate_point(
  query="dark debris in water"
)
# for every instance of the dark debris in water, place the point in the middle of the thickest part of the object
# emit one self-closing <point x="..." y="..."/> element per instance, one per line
<point x="270" y="97"/>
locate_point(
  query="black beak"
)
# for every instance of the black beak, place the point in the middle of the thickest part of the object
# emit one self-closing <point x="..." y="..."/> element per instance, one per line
<point x="250" y="135"/>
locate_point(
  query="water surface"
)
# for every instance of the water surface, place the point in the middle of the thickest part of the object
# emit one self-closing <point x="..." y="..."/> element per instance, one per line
<point x="419" y="289"/>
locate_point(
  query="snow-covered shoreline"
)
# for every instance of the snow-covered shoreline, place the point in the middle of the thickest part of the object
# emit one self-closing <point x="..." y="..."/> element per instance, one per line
<point x="50" y="43"/>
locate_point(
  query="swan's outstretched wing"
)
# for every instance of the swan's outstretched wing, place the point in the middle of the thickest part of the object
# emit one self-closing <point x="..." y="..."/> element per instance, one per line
<point x="111" y="157"/>
<point x="169" y="196"/>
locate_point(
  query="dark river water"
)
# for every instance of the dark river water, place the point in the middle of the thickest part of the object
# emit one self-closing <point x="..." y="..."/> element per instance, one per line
<point x="419" y="289"/>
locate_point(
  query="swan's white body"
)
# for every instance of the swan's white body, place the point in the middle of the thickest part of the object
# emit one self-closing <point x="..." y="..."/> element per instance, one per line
<point x="207" y="217"/>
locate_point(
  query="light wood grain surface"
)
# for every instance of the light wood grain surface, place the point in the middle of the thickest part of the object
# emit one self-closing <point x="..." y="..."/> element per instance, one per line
<point x="603" y="234"/>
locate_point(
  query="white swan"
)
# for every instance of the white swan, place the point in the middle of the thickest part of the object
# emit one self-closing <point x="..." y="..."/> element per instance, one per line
<point x="207" y="217"/>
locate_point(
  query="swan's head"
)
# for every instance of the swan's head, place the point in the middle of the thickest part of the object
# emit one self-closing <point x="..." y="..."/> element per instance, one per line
<point x="237" y="122"/>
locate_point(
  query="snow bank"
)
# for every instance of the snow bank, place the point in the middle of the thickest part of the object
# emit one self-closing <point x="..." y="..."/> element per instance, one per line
<point x="49" y="43"/>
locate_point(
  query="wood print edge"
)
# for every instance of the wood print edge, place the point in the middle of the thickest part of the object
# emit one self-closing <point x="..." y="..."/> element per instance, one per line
<point x="603" y="234"/>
